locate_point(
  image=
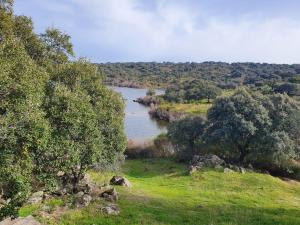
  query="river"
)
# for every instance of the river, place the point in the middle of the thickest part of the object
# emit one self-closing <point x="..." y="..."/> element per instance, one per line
<point x="139" y="126"/>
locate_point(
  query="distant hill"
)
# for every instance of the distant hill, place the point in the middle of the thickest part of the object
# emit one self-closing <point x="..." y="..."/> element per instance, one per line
<point x="225" y="75"/>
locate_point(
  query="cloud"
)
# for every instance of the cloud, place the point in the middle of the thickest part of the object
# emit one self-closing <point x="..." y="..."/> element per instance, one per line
<point x="173" y="30"/>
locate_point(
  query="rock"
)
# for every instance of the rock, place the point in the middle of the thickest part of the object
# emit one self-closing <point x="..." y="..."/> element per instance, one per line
<point x="219" y="167"/>
<point x="36" y="197"/>
<point x="227" y="170"/>
<point x="111" y="210"/>
<point x="60" y="173"/>
<point x="117" y="180"/>
<point x="192" y="169"/>
<point x="110" y="195"/>
<point x="243" y="170"/>
<point x="82" y="199"/>
<point x="209" y="160"/>
<point x="46" y="208"/>
<point x="29" y="220"/>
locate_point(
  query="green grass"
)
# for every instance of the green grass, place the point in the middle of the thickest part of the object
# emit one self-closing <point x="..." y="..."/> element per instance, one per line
<point x="188" y="108"/>
<point x="194" y="108"/>
<point x="163" y="193"/>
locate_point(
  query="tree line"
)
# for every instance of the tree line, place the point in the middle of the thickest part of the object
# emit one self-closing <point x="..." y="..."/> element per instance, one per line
<point x="224" y="75"/>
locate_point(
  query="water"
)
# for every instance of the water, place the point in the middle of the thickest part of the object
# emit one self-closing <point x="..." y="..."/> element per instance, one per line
<point x="139" y="126"/>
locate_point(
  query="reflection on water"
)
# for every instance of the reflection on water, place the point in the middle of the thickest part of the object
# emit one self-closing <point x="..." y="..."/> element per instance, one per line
<point x="139" y="126"/>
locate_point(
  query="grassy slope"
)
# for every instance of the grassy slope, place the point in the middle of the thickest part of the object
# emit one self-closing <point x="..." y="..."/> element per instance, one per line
<point x="200" y="107"/>
<point x="163" y="193"/>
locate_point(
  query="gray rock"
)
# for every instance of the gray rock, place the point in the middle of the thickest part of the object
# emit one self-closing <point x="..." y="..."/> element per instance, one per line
<point x="202" y="161"/>
<point x="243" y="170"/>
<point x="227" y="170"/>
<point x="110" y="195"/>
<point x="118" y="180"/>
<point x="36" y="197"/>
<point x="82" y="199"/>
<point x="46" y="208"/>
<point x="111" y="210"/>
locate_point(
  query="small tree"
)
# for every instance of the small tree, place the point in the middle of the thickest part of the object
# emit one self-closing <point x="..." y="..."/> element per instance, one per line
<point x="184" y="133"/>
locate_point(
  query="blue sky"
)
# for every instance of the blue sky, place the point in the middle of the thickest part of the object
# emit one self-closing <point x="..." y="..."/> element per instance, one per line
<point x="174" y="30"/>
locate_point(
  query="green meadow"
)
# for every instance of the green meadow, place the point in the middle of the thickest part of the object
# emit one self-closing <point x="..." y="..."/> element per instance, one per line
<point x="164" y="193"/>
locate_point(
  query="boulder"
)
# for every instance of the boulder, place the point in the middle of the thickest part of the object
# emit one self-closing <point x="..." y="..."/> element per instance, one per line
<point x="111" y="210"/>
<point x="36" y="197"/>
<point x="82" y="199"/>
<point x="118" y="180"/>
<point x="110" y="195"/>
<point x="227" y="170"/>
<point x="209" y="160"/>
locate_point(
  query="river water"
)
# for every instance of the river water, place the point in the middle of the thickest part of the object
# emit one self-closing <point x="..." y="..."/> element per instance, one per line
<point x="139" y="126"/>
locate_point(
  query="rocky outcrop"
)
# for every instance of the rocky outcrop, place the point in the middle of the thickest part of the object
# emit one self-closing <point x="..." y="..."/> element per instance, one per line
<point x="82" y="199"/>
<point x="118" y="180"/>
<point x="111" y="210"/>
<point x="29" y="220"/>
<point x="213" y="161"/>
<point x="36" y="197"/>
<point x="206" y="161"/>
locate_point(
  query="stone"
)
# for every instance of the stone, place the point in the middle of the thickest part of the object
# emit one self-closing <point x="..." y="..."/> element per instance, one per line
<point x="110" y="195"/>
<point x="111" y="210"/>
<point x="36" y="197"/>
<point x="202" y="161"/>
<point x="118" y="180"/>
<point x="243" y="170"/>
<point x="46" y="208"/>
<point x="82" y="199"/>
<point x="60" y="173"/>
<point x="227" y="170"/>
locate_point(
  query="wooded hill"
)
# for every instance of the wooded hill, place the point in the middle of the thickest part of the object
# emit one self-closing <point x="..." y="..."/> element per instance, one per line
<point x="225" y="75"/>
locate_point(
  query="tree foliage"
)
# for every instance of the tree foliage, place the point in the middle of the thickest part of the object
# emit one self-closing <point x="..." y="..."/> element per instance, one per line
<point x="184" y="133"/>
<point x="250" y="127"/>
<point x="55" y="115"/>
<point x="194" y="90"/>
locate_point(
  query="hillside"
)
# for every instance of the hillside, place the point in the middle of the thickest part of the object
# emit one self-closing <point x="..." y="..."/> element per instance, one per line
<point x="143" y="74"/>
<point x="163" y="193"/>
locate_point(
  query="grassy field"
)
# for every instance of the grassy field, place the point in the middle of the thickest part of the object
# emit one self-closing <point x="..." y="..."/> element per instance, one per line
<point x="163" y="193"/>
<point x="195" y="108"/>
<point x="188" y="108"/>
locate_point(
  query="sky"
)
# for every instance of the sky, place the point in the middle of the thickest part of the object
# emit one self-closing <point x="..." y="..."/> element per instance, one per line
<point x="174" y="30"/>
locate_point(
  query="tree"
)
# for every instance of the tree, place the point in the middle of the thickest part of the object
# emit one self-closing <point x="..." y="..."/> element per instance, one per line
<point x="23" y="30"/>
<point x="184" y="133"/>
<point x="86" y="120"/>
<point x="235" y="122"/>
<point x="23" y="129"/>
<point x="6" y="5"/>
<point x="58" y="44"/>
<point x="250" y="127"/>
<point x="292" y="89"/>
<point x="200" y="89"/>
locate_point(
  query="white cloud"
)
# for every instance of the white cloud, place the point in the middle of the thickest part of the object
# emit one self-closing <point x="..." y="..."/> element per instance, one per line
<point x="120" y="30"/>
